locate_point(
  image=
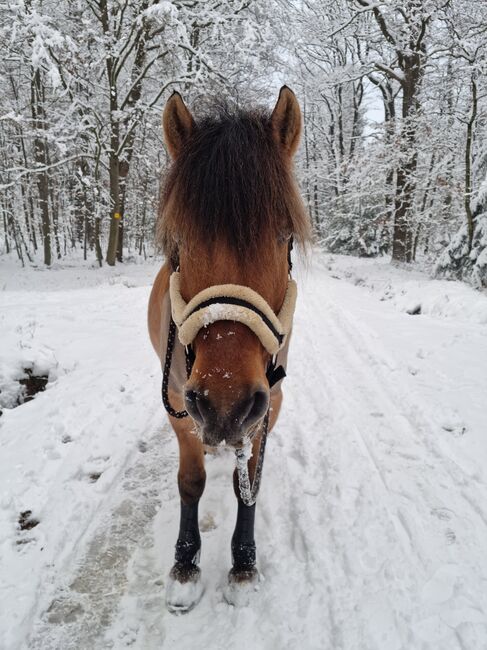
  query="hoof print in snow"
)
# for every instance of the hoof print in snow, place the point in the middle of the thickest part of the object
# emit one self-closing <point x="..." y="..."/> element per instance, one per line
<point x="442" y="513"/>
<point x="207" y="523"/>
<point x="26" y="521"/>
<point x="94" y="476"/>
<point x="456" y="431"/>
<point x="414" y="311"/>
<point x="63" y="611"/>
<point x="31" y="385"/>
<point x="142" y="446"/>
<point x="65" y="439"/>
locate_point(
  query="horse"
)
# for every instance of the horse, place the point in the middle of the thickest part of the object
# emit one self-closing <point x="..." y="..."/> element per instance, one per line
<point x="220" y="309"/>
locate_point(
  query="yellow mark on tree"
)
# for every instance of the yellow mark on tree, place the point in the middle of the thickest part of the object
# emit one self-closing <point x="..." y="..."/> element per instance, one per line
<point x="117" y="215"/>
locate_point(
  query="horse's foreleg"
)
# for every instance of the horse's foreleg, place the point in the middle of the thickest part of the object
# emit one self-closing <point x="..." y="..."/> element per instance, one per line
<point x="243" y="577"/>
<point x="191" y="483"/>
<point x="243" y="542"/>
<point x="184" y="588"/>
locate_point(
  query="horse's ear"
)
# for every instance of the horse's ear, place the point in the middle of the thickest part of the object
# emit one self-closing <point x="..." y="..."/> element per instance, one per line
<point x="286" y="120"/>
<point x="177" y="124"/>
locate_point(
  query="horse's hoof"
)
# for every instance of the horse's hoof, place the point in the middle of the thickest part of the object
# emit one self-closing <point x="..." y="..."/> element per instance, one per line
<point x="242" y="586"/>
<point x="184" y="588"/>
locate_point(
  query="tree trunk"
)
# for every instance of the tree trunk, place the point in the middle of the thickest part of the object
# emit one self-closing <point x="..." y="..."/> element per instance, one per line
<point x="114" y="200"/>
<point x="40" y="158"/>
<point x="390" y="129"/>
<point x="468" y="166"/>
<point x="5" y="231"/>
<point x="13" y="229"/>
<point x="130" y="104"/>
<point x="114" y="140"/>
<point x="402" y="244"/>
<point x="24" y="184"/>
<point x="403" y="240"/>
<point x="115" y="217"/>
<point x="55" y="216"/>
<point x="123" y="171"/>
<point x="98" y="251"/>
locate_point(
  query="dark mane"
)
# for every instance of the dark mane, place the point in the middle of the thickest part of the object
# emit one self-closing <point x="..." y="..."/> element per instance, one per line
<point x="230" y="184"/>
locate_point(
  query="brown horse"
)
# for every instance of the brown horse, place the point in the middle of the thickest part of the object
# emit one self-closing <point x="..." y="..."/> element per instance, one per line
<point x="230" y="208"/>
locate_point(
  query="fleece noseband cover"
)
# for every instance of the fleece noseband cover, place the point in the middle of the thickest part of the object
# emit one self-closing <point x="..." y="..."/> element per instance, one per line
<point x="235" y="303"/>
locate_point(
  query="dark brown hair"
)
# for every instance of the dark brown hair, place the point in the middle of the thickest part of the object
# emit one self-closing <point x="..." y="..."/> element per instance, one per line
<point x="231" y="183"/>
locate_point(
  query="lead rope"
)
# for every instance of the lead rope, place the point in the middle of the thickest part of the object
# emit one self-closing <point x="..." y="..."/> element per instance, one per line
<point x="248" y="493"/>
<point x="167" y="369"/>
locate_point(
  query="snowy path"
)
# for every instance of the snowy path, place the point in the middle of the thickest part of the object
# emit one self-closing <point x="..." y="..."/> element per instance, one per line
<point x="372" y="519"/>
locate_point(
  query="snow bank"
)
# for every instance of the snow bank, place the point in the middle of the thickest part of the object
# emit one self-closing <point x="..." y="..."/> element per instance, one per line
<point x="409" y="289"/>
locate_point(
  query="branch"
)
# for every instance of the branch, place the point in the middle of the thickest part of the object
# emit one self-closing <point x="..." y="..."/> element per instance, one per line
<point x="144" y="110"/>
<point x="380" y="20"/>
<point x="398" y="76"/>
<point x="43" y="168"/>
<point x="422" y="32"/>
<point x="345" y="25"/>
<point x="192" y="51"/>
<point x="141" y="76"/>
<point x="122" y="56"/>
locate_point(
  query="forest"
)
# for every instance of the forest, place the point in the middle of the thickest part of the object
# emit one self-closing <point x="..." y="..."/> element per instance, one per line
<point x="393" y="159"/>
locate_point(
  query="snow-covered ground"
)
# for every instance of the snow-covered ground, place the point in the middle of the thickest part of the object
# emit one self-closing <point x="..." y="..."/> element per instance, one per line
<point x="372" y="518"/>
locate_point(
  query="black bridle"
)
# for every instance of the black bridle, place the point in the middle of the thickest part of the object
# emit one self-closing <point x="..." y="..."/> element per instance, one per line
<point x="274" y="373"/>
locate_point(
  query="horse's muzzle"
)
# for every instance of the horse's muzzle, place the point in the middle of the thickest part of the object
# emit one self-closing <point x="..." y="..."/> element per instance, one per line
<point x="219" y="424"/>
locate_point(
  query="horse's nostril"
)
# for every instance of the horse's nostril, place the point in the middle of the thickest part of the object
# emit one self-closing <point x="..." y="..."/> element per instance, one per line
<point x="194" y="405"/>
<point x="255" y="408"/>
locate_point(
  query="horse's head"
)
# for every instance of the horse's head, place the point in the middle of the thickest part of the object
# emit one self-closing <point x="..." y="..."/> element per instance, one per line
<point x="230" y="206"/>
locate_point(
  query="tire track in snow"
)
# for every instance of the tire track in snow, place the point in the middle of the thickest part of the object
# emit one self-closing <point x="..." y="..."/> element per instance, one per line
<point x="342" y="484"/>
<point x="417" y="425"/>
<point x="412" y="485"/>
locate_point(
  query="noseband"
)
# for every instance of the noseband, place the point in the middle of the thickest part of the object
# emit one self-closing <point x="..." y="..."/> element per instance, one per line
<point x="231" y="302"/>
